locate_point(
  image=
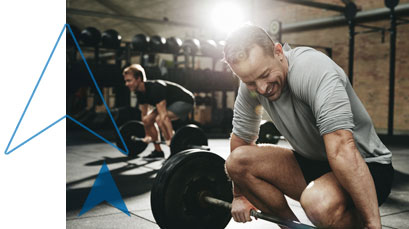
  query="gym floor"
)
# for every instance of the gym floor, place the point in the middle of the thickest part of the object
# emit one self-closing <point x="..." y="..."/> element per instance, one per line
<point x="85" y="156"/>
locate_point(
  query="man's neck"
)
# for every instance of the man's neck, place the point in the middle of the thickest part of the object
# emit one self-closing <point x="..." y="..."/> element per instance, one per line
<point x="142" y="87"/>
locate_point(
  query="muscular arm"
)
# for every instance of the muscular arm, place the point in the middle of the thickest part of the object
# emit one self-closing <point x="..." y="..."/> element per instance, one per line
<point x="352" y="172"/>
<point x="234" y="143"/>
<point x="240" y="205"/>
<point x="246" y="121"/>
<point x="144" y="109"/>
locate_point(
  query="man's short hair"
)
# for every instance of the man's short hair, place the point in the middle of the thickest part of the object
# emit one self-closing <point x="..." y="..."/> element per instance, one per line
<point x="136" y="70"/>
<point x="240" y="41"/>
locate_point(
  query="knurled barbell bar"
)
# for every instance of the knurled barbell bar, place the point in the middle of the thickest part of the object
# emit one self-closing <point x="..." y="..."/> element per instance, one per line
<point x="191" y="190"/>
<point x="134" y="138"/>
<point x="186" y="137"/>
<point x="257" y="214"/>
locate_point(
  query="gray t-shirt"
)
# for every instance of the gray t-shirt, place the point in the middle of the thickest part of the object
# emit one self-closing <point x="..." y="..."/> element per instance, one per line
<point x="318" y="99"/>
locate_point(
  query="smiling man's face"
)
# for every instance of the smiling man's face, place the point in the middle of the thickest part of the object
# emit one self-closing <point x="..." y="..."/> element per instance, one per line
<point x="263" y="73"/>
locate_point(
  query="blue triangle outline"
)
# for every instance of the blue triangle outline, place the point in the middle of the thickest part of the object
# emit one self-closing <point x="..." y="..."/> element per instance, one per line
<point x="7" y="151"/>
<point x="96" y="196"/>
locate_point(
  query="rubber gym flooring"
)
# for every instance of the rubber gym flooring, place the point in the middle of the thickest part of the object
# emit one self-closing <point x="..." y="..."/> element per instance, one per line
<point x="86" y="154"/>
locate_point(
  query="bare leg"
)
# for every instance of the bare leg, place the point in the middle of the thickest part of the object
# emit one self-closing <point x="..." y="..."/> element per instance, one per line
<point x="264" y="174"/>
<point x="327" y="204"/>
<point x="150" y="128"/>
<point x="166" y="125"/>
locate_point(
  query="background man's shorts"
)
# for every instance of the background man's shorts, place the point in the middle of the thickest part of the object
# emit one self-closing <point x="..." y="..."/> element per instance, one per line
<point x="180" y="109"/>
<point x="382" y="174"/>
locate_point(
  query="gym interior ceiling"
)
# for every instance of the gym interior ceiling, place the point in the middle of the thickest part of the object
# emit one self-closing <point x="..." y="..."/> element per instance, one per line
<point x="182" y="18"/>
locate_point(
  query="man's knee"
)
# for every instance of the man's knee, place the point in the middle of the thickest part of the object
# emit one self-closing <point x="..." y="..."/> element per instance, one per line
<point x="148" y="120"/>
<point x="323" y="208"/>
<point x="238" y="162"/>
<point x="161" y="121"/>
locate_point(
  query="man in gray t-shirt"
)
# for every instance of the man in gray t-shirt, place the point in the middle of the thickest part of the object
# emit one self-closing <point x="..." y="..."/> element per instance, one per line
<point x="336" y="151"/>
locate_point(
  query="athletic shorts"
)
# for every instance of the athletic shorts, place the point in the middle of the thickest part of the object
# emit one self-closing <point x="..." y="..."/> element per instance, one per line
<point x="180" y="109"/>
<point x="382" y="174"/>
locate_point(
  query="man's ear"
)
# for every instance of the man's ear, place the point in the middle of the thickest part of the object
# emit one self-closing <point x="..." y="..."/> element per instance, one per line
<point x="278" y="50"/>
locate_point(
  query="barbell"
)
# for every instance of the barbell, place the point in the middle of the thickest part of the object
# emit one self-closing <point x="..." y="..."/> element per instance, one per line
<point x="186" y="137"/>
<point x="268" y="133"/>
<point x="191" y="190"/>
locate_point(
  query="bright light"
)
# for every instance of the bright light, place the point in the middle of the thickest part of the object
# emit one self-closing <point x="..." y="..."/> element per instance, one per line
<point x="227" y="16"/>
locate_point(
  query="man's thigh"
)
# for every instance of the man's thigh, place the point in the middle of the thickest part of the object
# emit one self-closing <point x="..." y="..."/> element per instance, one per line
<point x="172" y="116"/>
<point x="331" y="190"/>
<point x="275" y="165"/>
<point x="179" y="110"/>
<point x="382" y="174"/>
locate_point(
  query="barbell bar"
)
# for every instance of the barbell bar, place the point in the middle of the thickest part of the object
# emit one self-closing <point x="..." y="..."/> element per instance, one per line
<point x="186" y="137"/>
<point x="137" y="139"/>
<point x="258" y="214"/>
<point x="204" y="147"/>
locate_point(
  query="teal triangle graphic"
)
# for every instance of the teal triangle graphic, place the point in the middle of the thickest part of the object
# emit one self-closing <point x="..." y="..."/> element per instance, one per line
<point x="104" y="189"/>
<point x="7" y="151"/>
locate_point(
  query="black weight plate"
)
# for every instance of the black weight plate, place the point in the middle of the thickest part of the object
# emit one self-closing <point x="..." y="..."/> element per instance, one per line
<point x="129" y="129"/>
<point x="268" y="133"/>
<point x="209" y="48"/>
<point x="111" y="39"/>
<point x="191" y="46"/>
<point x="140" y="42"/>
<point x="177" y="185"/>
<point x="186" y="137"/>
<point x="157" y="43"/>
<point x="173" y="44"/>
<point x="391" y="3"/>
<point x="90" y="36"/>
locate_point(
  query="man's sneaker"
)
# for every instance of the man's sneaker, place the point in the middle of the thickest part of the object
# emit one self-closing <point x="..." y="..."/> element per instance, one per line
<point x="155" y="155"/>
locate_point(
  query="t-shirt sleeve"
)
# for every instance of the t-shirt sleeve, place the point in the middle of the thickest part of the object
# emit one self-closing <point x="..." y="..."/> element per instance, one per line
<point x="247" y="114"/>
<point x="158" y="92"/>
<point x="320" y="83"/>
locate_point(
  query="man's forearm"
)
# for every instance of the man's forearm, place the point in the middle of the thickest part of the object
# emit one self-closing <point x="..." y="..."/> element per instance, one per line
<point x="236" y="191"/>
<point x="353" y="174"/>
